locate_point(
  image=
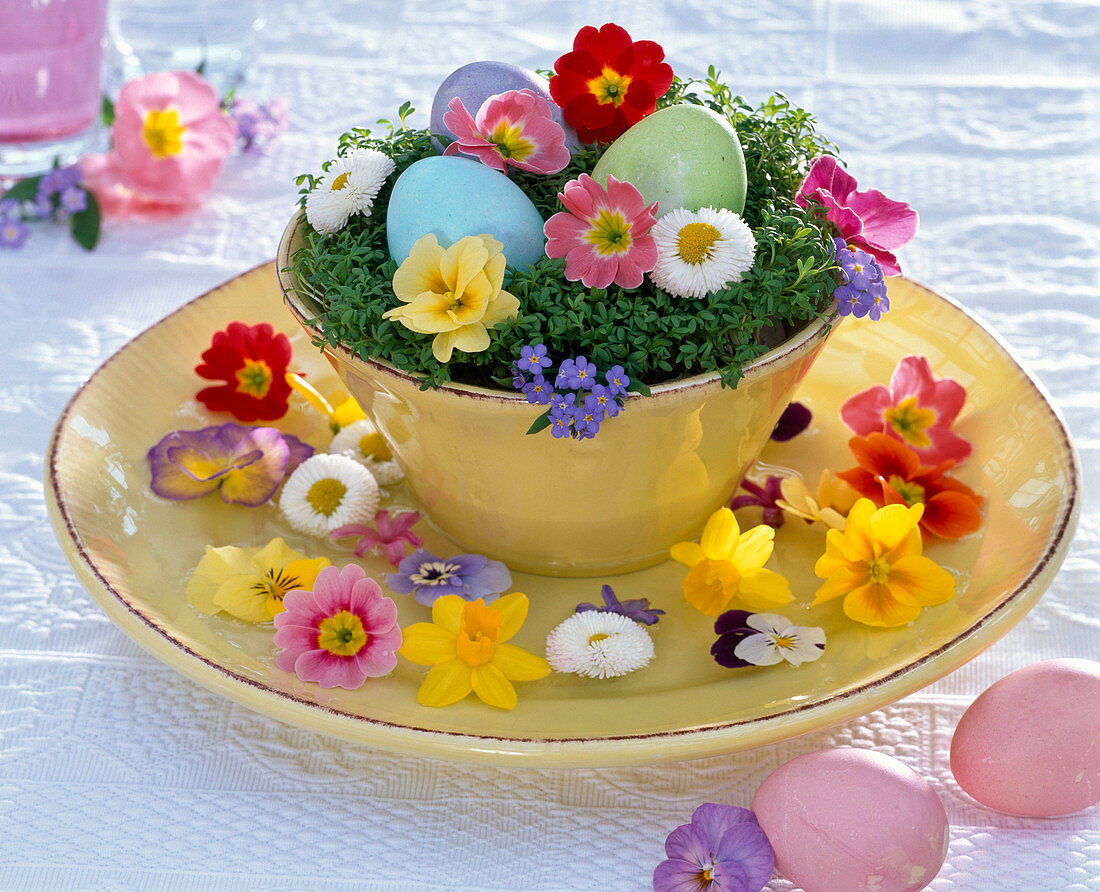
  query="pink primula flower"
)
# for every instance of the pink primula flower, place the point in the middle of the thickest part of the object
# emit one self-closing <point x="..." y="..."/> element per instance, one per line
<point x="340" y="634"/>
<point x="916" y="409"/>
<point x="388" y="535"/>
<point x="170" y="137"/>
<point x="513" y="128"/>
<point x="866" y="220"/>
<point x="603" y="234"/>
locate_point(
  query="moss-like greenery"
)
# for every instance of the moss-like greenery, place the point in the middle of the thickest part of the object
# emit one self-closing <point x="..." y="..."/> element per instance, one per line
<point x="655" y="336"/>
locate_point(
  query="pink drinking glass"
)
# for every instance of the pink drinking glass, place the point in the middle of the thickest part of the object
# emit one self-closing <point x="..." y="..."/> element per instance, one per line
<point x="51" y="54"/>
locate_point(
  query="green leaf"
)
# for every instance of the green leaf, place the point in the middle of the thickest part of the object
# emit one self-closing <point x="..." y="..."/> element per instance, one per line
<point x="638" y="387"/>
<point x="24" y="190"/>
<point x="85" y="223"/>
<point x="541" y="423"/>
<point x="107" y="111"/>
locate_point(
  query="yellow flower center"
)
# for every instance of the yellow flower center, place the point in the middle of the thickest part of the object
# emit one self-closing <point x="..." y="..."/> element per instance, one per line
<point x="340" y="182"/>
<point x="879" y="571"/>
<point x="342" y="634"/>
<point x="254" y="378"/>
<point x="610" y="233"/>
<point x="325" y="495"/>
<point x="609" y="87"/>
<point x="508" y="138"/>
<point x="163" y="132"/>
<point x="374" y="445"/>
<point x="910" y="492"/>
<point x="784" y="641"/>
<point x="597" y="638"/>
<point x="911" y="421"/>
<point x="275" y="583"/>
<point x="478" y="633"/>
<point x="695" y="242"/>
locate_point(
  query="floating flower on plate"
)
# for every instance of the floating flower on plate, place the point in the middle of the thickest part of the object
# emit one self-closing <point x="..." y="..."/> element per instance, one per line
<point x="347" y="186"/>
<point x="637" y="609"/>
<point x="466" y="644"/>
<point x="362" y="441"/>
<point x="327" y="492"/>
<point x="876" y="565"/>
<point x="794" y="420"/>
<point x="723" y="849"/>
<point x="727" y="564"/>
<point x="598" y="644"/>
<point x="764" y="497"/>
<point x="388" y="535"/>
<point x="764" y="639"/>
<point x="699" y="252"/>
<point x="339" y="634"/>
<point x="427" y="577"/>
<point x="344" y="414"/>
<point x="833" y="501"/>
<point x="252" y="362"/>
<point x="250" y="583"/>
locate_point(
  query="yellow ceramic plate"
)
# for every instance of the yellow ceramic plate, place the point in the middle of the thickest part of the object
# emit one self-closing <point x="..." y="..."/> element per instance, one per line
<point x="134" y="553"/>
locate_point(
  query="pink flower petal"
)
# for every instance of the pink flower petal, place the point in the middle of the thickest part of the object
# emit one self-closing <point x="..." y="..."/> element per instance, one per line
<point x="329" y="670"/>
<point x="863" y="412"/>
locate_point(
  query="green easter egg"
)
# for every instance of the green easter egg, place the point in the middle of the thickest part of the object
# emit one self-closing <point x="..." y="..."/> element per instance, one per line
<point x="683" y="156"/>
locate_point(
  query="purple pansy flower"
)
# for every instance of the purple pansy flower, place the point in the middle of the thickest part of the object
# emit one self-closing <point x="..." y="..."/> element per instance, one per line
<point x="427" y="577"/>
<point x="723" y="849"/>
<point x="794" y="420"/>
<point x="637" y="609"/>
<point x="764" y="497"/>
<point x="732" y="628"/>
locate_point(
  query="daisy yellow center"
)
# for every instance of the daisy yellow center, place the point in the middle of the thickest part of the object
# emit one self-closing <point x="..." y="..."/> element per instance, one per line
<point x="508" y="138"/>
<point x="610" y="233"/>
<point x="597" y="638"/>
<point x="163" y="132"/>
<point x="374" y="445"/>
<point x="340" y="182"/>
<point x="609" y="87"/>
<point x="478" y="633"/>
<point x="254" y="378"/>
<point x="695" y="242"/>
<point x="325" y="495"/>
<point x="342" y="634"/>
<point x="911" y="492"/>
<point x="879" y="571"/>
<point x="910" y="421"/>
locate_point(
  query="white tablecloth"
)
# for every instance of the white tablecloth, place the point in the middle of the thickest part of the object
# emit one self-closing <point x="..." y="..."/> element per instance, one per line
<point x="117" y="773"/>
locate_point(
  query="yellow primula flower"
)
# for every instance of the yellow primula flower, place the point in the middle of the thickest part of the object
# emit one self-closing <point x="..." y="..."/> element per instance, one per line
<point x="249" y="583"/>
<point x="833" y="501"/>
<point x="465" y="644"/>
<point x="454" y="294"/>
<point x="727" y="564"/>
<point x="877" y="565"/>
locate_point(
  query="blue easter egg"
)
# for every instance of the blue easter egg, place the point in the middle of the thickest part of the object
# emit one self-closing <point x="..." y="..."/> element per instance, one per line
<point x="477" y="81"/>
<point x="455" y="197"/>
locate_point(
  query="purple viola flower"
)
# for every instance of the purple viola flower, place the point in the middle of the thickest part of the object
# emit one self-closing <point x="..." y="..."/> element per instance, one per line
<point x="723" y="849"/>
<point x="762" y="497"/>
<point x="74" y="199"/>
<point x="427" y="577"/>
<point x="731" y="627"/>
<point x="794" y="420"/>
<point x="13" y="233"/>
<point x="258" y="125"/>
<point x="617" y="380"/>
<point x="637" y="609"/>
<point x="538" y="391"/>
<point x="533" y="359"/>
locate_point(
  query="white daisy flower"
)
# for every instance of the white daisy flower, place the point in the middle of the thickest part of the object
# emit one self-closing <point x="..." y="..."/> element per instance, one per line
<point x="347" y="187"/>
<point x="778" y="639"/>
<point x="326" y="492"/>
<point x="700" y="251"/>
<point x="363" y="442"/>
<point x="596" y="644"/>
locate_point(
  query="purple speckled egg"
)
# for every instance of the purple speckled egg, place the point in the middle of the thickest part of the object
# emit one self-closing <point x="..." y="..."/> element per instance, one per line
<point x="853" y="820"/>
<point x="1030" y="743"/>
<point x="477" y="81"/>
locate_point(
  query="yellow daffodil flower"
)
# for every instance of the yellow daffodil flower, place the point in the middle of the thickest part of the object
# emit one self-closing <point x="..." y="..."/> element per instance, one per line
<point x="454" y="294"/>
<point x="465" y="644"/>
<point x="726" y="564"/>
<point x="249" y="583"/>
<point x="344" y="414"/>
<point x="833" y="501"/>
<point x="877" y="565"/>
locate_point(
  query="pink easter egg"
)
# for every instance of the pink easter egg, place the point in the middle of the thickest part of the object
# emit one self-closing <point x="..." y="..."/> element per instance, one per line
<point x="853" y="820"/>
<point x="1030" y="743"/>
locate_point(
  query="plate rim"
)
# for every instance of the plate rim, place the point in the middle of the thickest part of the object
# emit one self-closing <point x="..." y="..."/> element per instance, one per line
<point x="683" y="743"/>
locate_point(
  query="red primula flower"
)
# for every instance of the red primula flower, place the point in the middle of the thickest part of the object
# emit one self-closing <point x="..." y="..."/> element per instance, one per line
<point x="890" y="473"/>
<point x="252" y="361"/>
<point x="608" y="83"/>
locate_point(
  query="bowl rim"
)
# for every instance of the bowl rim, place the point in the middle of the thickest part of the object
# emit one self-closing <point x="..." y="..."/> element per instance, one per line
<point x="297" y="301"/>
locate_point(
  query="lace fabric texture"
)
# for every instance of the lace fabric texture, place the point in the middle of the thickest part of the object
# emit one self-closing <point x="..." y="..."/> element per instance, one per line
<point x="117" y="773"/>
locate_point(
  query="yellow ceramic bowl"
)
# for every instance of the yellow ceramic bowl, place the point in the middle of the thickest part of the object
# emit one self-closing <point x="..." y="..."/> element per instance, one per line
<point x="562" y="507"/>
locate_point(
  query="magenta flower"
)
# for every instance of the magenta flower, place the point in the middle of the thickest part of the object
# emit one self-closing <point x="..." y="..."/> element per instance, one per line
<point x="762" y="497"/>
<point x="244" y="465"/>
<point x="604" y="237"/>
<point x="388" y="535"/>
<point x="513" y="128"/>
<point x="340" y="634"/>
<point x="916" y="409"/>
<point x="723" y="849"/>
<point x="867" y="220"/>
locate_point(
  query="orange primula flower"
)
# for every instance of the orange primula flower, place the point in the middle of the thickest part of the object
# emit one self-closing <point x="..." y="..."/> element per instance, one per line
<point x="890" y="473"/>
